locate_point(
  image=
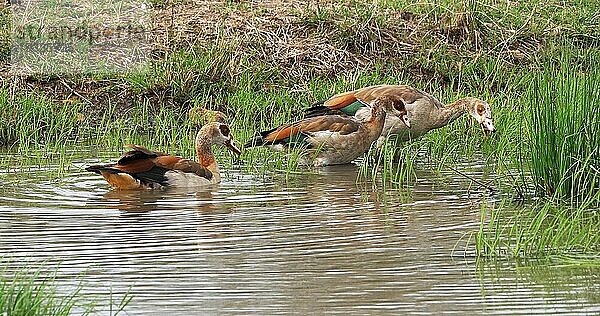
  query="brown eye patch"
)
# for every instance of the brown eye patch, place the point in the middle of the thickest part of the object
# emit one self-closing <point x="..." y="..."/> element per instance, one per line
<point x="480" y="109"/>
<point x="398" y="104"/>
<point x="224" y="130"/>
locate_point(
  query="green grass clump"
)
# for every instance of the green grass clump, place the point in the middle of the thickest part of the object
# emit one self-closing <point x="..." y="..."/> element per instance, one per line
<point x="30" y="120"/>
<point x="565" y="132"/>
<point x="31" y="291"/>
<point x="28" y="293"/>
<point x="4" y="36"/>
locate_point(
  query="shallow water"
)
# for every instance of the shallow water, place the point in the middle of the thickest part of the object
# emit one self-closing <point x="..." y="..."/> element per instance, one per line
<point x="278" y="244"/>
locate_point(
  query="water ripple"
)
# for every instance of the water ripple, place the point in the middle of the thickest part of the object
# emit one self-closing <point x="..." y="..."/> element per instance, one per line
<point x="276" y="245"/>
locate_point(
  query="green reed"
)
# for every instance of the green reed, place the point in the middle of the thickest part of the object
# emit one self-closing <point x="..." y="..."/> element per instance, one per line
<point x="564" y="128"/>
<point x="30" y="293"/>
<point x="31" y="120"/>
<point x="394" y="164"/>
<point x="558" y="155"/>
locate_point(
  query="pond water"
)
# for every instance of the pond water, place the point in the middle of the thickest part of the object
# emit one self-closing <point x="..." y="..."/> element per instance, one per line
<point x="279" y="244"/>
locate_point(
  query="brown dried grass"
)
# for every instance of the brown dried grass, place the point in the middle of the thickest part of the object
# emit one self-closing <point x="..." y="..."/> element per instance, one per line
<point x="303" y="40"/>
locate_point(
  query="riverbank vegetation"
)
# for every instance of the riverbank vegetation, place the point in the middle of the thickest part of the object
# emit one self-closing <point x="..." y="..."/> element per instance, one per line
<point x="562" y="154"/>
<point x="261" y="64"/>
<point x="33" y="291"/>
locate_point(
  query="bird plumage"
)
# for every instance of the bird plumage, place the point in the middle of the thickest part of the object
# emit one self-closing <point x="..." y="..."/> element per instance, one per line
<point x="142" y="168"/>
<point x="425" y="111"/>
<point x="331" y="138"/>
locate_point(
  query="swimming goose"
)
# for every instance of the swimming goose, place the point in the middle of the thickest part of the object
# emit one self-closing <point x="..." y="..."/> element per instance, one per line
<point x="141" y="168"/>
<point x="425" y="111"/>
<point x="333" y="139"/>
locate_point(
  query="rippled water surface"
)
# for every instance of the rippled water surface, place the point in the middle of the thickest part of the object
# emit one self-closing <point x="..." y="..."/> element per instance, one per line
<point x="278" y="244"/>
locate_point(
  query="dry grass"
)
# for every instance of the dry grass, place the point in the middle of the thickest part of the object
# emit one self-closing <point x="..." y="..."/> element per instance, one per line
<point x="299" y="41"/>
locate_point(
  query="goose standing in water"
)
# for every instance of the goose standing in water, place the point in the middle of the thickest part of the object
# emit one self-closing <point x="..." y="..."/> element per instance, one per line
<point x="141" y="168"/>
<point x="425" y="111"/>
<point x="333" y="139"/>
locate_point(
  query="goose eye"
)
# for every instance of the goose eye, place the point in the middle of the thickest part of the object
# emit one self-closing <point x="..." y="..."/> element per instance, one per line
<point x="224" y="130"/>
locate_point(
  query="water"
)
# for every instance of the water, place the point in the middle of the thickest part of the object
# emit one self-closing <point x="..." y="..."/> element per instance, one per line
<point x="278" y="244"/>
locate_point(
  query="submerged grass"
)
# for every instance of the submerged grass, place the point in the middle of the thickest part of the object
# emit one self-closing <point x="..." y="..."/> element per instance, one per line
<point x="546" y="229"/>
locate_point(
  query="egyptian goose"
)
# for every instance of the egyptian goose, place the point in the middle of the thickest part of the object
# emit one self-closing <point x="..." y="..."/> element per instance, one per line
<point x="425" y="111"/>
<point x="141" y="168"/>
<point x="333" y="139"/>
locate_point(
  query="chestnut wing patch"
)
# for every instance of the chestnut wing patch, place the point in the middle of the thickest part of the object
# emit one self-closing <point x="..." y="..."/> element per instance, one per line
<point x="341" y="100"/>
<point x="405" y="93"/>
<point x="300" y="130"/>
<point x="341" y="104"/>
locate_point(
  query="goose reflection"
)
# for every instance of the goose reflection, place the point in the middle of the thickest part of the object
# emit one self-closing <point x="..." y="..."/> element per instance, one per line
<point x="136" y="202"/>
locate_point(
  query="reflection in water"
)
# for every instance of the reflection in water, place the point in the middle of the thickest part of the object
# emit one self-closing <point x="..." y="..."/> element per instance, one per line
<point x="142" y="201"/>
<point x="132" y="202"/>
<point x="541" y="287"/>
<point x="315" y="243"/>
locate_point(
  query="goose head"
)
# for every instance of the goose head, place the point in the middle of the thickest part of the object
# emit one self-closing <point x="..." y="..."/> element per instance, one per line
<point x="392" y="105"/>
<point x="482" y="113"/>
<point x="217" y="133"/>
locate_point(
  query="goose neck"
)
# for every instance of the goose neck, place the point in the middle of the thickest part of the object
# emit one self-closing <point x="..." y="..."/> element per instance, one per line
<point x="206" y="158"/>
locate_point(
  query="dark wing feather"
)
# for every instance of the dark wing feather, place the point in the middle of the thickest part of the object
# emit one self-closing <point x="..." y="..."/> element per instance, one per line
<point x="320" y="110"/>
<point x="156" y="174"/>
<point x="347" y="103"/>
<point x="151" y="167"/>
<point x="332" y="106"/>
<point x="134" y="155"/>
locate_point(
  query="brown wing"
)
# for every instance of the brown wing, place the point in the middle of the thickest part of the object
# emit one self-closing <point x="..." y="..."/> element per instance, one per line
<point x="183" y="165"/>
<point x="407" y="93"/>
<point x="367" y="94"/>
<point x="341" y="100"/>
<point x="134" y="161"/>
<point x="145" y="150"/>
<point x="147" y="167"/>
<point x="333" y="123"/>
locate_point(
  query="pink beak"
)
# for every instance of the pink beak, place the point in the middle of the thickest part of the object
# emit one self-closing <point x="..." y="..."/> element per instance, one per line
<point x="406" y="120"/>
<point x="229" y="144"/>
